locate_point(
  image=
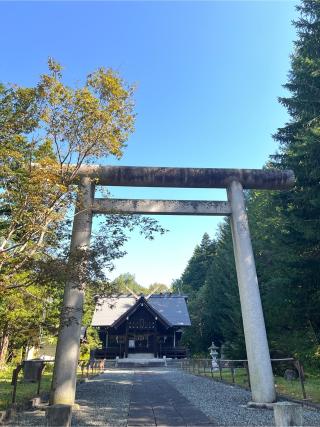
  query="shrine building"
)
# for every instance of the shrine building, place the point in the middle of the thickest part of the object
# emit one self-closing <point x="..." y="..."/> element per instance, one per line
<point x="149" y="326"/>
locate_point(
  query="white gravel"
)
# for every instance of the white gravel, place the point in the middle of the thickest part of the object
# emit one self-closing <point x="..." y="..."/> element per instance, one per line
<point x="226" y="404"/>
<point x="104" y="403"/>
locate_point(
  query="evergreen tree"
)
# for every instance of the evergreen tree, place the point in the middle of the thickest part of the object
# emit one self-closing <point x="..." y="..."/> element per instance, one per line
<point x="195" y="273"/>
<point x="223" y="320"/>
<point x="285" y="225"/>
<point x="300" y="150"/>
<point x="191" y="284"/>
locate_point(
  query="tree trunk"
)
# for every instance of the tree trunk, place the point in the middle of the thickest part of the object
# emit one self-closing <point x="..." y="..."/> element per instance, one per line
<point x="4" y="343"/>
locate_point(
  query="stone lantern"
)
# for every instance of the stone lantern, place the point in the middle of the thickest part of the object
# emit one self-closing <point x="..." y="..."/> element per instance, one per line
<point x="213" y="353"/>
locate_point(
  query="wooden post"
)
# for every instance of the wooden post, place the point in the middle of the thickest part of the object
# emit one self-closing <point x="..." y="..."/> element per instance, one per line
<point x="232" y="374"/>
<point x="155" y="338"/>
<point x="126" y="343"/>
<point x="39" y="378"/>
<point x="14" y="382"/>
<point x="301" y="377"/>
<point x="248" y="375"/>
<point x="220" y="370"/>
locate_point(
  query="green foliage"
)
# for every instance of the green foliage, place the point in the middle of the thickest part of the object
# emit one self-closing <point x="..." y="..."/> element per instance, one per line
<point x="46" y="133"/>
<point x="293" y="233"/>
<point x="213" y="296"/>
<point x="43" y="130"/>
<point x="91" y="342"/>
<point x="127" y="282"/>
<point x="194" y="275"/>
<point x="285" y="228"/>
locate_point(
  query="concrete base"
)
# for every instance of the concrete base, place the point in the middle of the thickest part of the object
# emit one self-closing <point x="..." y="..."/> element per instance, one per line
<point x="59" y="415"/>
<point x="288" y="414"/>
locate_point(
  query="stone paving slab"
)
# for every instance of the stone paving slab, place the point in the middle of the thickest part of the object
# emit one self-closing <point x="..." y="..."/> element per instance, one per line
<point x="155" y="402"/>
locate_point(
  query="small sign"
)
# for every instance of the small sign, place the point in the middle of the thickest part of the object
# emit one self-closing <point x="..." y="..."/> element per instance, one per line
<point x="131" y="344"/>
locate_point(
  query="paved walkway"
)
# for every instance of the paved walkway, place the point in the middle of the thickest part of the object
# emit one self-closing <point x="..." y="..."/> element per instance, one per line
<point x="155" y="402"/>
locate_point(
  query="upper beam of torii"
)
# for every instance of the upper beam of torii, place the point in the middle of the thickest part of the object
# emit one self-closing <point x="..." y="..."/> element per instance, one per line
<point x="145" y="176"/>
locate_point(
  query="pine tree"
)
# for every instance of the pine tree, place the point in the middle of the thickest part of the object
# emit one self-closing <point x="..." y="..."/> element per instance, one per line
<point x="192" y="284"/>
<point x="224" y="321"/>
<point x="300" y="150"/>
<point x="285" y="225"/>
<point x="194" y="275"/>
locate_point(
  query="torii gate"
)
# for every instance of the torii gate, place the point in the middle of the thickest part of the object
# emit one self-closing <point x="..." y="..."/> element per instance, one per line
<point x="234" y="181"/>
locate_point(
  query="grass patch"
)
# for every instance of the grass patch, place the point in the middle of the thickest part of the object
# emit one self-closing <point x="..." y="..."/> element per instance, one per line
<point x="240" y="375"/>
<point x="25" y="390"/>
<point x="293" y="388"/>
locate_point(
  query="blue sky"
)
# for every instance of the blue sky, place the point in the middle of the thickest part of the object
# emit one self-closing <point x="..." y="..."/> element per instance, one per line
<point x="208" y="75"/>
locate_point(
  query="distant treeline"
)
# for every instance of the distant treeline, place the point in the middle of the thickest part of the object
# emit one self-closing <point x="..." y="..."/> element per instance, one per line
<point x="285" y="229"/>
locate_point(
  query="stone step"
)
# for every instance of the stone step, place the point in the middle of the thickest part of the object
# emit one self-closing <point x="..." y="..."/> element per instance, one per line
<point x="141" y="364"/>
<point x="140" y="356"/>
<point x="144" y="362"/>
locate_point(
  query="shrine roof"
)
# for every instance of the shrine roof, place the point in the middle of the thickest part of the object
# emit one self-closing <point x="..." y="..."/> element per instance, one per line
<point x="171" y="307"/>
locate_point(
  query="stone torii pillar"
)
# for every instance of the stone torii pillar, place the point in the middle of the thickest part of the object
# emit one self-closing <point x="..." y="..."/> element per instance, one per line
<point x="68" y="345"/>
<point x="234" y="180"/>
<point x="261" y="376"/>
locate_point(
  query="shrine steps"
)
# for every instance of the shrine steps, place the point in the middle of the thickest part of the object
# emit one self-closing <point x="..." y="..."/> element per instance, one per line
<point x="135" y="362"/>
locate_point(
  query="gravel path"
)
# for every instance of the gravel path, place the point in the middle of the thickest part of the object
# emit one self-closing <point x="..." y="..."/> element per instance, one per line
<point x="104" y="400"/>
<point x="112" y="399"/>
<point x="225" y="403"/>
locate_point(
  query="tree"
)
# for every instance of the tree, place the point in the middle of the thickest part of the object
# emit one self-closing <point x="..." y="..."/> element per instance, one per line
<point x="300" y="150"/>
<point x="158" y="288"/>
<point x="46" y="133"/>
<point x="224" y="320"/>
<point x="27" y="317"/>
<point x="126" y="282"/>
<point x="297" y="211"/>
<point x="58" y="128"/>
<point x="192" y="284"/>
<point x="194" y="275"/>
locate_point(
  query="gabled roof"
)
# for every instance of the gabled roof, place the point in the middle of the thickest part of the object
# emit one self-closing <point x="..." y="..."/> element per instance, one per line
<point x="141" y="301"/>
<point x="171" y="308"/>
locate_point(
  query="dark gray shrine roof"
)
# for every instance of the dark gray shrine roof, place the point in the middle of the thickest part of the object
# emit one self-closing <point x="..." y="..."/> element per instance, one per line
<point x="171" y="307"/>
